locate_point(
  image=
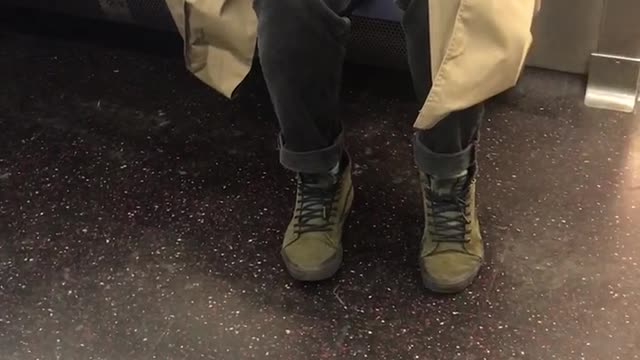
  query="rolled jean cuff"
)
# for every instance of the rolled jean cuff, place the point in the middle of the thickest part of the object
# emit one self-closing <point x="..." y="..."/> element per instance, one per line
<point x="443" y="166"/>
<point x="312" y="162"/>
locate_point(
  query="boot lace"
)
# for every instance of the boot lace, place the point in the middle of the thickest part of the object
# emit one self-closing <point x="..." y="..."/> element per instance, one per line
<point x="316" y="207"/>
<point x="449" y="216"/>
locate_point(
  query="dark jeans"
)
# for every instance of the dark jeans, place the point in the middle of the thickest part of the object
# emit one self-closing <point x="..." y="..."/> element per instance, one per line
<point x="302" y="49"/>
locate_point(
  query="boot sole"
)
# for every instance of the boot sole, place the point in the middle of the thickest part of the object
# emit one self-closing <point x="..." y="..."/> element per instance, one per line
<point x="330" y="267"/>
<point x="454" y="288"/>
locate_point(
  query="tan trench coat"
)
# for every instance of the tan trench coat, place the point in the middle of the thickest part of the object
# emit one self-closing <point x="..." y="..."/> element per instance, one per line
<point x="478" y="47"/>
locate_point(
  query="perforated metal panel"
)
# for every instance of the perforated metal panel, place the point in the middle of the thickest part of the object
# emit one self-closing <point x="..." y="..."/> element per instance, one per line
<point x="88" y="8"/>
<point x="150" y="13"/>
<point x="153" y="13"/>
<point x="373" y="41"/>
<point x="566" y="31"/>
<point x="377" y="42"/>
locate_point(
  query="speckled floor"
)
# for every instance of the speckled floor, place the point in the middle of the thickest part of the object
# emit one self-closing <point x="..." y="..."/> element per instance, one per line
<point x="141" y="214"/>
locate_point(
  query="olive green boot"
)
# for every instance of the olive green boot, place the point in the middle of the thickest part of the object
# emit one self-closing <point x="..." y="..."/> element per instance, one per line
<point x="452" y="249"/>
<point x="312" y="246"/>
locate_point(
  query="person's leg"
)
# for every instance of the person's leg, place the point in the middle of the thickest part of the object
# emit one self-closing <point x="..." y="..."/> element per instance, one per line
<point x="302" y="48"/>
<point x="460" y="129"/>
<point x="445" y="155"/>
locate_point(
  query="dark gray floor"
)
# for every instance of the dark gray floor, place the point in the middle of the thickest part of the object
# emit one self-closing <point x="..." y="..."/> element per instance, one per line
<point x="141" y="215"/>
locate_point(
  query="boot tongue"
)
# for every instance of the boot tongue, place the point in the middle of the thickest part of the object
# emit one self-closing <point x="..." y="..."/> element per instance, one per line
<point x="449" y="190"/>
<point x="319" y="181"/>
<point x="325" y="180"/>
<point x="445" y="187"/>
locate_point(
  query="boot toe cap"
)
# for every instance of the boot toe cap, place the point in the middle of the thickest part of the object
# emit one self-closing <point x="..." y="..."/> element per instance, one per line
<point x="311" y="260"/>
<point x="449" y="272"/>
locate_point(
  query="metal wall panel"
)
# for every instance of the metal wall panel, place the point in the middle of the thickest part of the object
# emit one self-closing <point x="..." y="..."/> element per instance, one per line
<point x="565" y="34"/>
